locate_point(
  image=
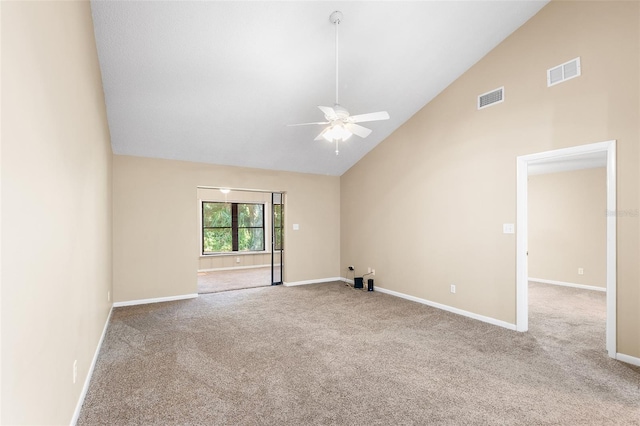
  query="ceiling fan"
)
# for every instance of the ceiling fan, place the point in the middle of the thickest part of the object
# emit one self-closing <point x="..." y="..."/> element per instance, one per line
<point x="341" y="124"/>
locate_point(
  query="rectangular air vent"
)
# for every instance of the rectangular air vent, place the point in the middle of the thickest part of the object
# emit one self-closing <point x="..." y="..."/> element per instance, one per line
<point x="563" y="72"/>
<point x="491" y="98"/>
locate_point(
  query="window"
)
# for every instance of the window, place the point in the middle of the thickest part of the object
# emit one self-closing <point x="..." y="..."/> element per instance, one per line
<point x="229" y="227"/>
<point x="277" y="225"/>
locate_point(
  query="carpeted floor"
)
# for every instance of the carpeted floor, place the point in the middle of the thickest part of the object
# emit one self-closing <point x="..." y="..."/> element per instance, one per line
<point x="215" y="281"/>
<point x="568" y="319"/>
<point x="328" y="354"/>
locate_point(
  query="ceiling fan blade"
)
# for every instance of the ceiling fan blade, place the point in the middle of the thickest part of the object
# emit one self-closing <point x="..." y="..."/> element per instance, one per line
<point x="356" y="129"/>
<point x="307" y="124"/>
<point x="328" y="112"/>
<point x="320" y="136"/>
<point x="372" y="116"/>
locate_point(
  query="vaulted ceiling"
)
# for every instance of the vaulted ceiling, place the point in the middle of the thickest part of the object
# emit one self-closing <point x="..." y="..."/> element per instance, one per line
<point x="218" y="81"/>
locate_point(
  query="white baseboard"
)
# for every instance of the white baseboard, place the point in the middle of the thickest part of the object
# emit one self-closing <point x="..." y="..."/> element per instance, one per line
<point x="448" y="308"/>
<point x="232" y="268"/>
<point x="87" y="380"/>
<point x="321" y="280"/>
<point x="155" y="300"/>
<point x="628" y="359"/>
<point x="562" y="283"/>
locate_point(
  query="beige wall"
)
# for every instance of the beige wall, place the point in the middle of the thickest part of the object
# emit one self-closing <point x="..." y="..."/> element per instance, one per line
<point x="568" y="227"/>
<point x="425" y="208"/>
<point x="237" y="260"/>
<point x="155" y="248"/>
<point x="56" y="208"/>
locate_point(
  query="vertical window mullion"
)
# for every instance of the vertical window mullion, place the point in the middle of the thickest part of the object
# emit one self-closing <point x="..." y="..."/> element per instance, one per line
<point x="234" y="226"/>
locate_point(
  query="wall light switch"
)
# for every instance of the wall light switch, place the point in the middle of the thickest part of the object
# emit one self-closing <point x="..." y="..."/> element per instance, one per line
<point x="296" y="226"/>
<point x="580" y="271"/>
<point x="508" y="228"/>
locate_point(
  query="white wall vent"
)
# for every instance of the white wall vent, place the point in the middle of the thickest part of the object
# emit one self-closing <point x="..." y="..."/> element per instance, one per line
<point x="563" y="72"/>
<point x="491" y="98"/>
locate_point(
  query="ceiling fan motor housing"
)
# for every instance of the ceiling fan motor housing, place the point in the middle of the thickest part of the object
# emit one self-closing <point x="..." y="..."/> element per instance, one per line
<point x="341" y="111"/>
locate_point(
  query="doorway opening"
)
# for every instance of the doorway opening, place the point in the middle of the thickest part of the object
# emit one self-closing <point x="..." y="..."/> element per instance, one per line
<point x="605" y="150"/>
<point x="241" y="238"/>
<point x="567" y="256"/>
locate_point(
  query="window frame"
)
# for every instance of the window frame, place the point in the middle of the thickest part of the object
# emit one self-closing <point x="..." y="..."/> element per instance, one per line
<point x="234" y="228"/>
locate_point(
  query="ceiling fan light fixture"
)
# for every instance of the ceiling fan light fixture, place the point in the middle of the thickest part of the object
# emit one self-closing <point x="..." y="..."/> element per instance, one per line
<point x="337" y="132"/>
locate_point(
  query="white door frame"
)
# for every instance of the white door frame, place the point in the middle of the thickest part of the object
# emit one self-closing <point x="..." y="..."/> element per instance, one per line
<point x="522" y="273"/>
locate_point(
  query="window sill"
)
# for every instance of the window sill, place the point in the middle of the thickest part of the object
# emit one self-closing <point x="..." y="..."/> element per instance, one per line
<point x="235" y="253"/>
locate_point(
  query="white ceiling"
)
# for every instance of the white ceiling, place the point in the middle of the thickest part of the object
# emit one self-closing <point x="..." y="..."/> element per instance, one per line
<point x="217" y="81"/>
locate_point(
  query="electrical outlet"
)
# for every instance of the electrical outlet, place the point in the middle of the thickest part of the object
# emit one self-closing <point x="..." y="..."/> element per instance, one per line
<point x="237" y="260"/>
<point x="453" y="288"/>
<point x="580" y="271"/>
<point x="75" y="370"/>
<point x="368" y="269"/>
<point x="373" y="272"/>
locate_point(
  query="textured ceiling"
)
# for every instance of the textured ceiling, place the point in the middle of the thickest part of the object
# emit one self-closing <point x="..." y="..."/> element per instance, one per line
<point x="218" y="82"/>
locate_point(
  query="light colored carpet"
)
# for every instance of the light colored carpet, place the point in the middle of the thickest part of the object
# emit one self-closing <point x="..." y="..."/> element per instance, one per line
<point x="569" y="319"/>
<point x="328" y="354"/>
<point x="215" y="281"/>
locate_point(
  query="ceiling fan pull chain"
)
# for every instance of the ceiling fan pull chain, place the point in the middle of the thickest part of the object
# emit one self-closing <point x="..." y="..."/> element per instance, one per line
<point x="337" y="151"/>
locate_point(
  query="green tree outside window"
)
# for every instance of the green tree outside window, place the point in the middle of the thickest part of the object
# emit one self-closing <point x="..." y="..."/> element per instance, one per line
<point x="228" y="227"/>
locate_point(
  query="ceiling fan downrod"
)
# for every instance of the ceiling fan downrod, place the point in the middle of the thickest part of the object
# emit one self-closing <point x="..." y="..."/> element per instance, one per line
<point x="336" y="18"/>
